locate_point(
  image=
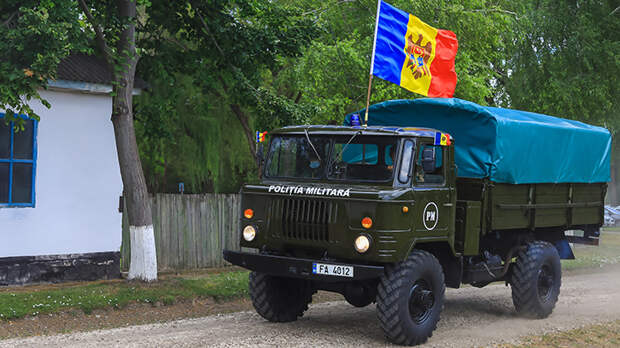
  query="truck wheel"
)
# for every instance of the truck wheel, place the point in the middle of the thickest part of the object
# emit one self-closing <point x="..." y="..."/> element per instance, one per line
<point x="536" y="280"/>
<point x="410" y="299"/>
<point x="279" y="299"/>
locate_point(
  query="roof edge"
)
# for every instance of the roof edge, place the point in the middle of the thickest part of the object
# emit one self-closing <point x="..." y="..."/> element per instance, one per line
<point x="83" y="87"/>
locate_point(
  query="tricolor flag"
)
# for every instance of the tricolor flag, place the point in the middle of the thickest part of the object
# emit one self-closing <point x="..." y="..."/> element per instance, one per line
<point x="260" y="136"/>
<point x="412" y="54"/>
<point x="442" y="139"/>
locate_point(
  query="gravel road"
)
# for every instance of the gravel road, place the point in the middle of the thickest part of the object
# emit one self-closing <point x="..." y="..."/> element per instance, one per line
<point x="472" y="317"/>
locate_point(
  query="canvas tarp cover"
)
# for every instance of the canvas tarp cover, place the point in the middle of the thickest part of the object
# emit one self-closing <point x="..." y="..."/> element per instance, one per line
<point x="503" y="145"/>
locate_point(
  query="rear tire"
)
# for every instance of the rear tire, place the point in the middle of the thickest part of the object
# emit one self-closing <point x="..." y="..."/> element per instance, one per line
<point x="410" y="299"/>
<point x="536" y="279"/>
<point x="279" y="299"/>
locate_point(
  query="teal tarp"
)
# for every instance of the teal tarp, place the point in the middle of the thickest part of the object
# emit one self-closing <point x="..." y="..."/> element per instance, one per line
<point x="503" y="145"/>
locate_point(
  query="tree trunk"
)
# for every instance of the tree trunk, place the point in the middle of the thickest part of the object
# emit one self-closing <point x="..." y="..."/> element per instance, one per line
<point x="143" y="264"/>
<point x="143" y="257"/>
<point x="123" y="63"/>
<point x="245" y="124"/>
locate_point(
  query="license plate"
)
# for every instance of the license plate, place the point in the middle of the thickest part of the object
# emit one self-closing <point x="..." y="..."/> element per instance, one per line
<point x="333" y="270"/>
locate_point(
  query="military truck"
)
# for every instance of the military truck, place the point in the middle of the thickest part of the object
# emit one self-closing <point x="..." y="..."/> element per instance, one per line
<point x="392" y="214"/>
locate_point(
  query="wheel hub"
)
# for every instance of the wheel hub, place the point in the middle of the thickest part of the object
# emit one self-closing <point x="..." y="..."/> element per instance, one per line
<point x="545" y="282"/>
<point x="421" y="300"/>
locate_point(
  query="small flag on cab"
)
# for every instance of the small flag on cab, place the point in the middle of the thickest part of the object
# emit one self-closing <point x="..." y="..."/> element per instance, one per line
<point x="443" y="139"/>
<point x="260" y="136"/>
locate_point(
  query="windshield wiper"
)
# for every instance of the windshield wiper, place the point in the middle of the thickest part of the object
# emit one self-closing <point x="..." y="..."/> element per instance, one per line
<point x="333" y="159"/>
<point x="312" y="145"/>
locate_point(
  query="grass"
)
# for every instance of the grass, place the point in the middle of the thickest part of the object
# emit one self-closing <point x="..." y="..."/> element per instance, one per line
<point x="601" y="335"/>
<point x="608" y="252"/>
<point x="118" y="294"/>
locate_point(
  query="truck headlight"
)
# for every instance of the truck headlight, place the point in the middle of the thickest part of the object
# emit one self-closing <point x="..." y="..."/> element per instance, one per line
<point x="249" y="232"/>
<point x="362" y="243"/>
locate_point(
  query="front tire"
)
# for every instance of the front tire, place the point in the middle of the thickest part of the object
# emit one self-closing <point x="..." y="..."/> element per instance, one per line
<point x="279" y="299"/>
<point x="536" y="280"/>
<point x="410" y="299"/>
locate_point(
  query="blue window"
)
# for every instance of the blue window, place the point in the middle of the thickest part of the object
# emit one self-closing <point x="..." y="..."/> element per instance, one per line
<point x="18" y="161"/>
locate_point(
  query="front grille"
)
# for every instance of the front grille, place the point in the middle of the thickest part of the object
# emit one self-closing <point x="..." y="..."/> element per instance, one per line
<point x="305" y="219"/>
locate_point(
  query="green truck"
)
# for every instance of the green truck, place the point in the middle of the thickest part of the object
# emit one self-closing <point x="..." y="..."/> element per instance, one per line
<point x="392" y="214"/>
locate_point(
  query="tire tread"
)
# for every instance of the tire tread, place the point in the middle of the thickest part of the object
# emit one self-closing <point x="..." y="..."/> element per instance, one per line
<point x="388" y="296"/>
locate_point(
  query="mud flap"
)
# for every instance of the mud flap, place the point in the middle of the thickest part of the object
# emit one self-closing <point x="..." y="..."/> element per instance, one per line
<point x="564" y="249"/>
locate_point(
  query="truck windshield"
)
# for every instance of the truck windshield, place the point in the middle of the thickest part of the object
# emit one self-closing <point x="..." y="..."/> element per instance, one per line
<point x="293" y="157"/>
<point x="365" y="158"/>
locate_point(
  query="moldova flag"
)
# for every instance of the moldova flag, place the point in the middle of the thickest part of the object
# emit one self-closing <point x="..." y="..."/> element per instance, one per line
<point x="260" y="136"/>
<point x="412" y="54"/>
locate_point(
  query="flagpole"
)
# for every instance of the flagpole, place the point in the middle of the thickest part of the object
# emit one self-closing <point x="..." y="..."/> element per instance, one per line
<point x="372" y="62"/>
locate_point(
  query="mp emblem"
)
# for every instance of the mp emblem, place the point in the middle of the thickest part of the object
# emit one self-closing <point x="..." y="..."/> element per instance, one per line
<point x="430" y="216"/>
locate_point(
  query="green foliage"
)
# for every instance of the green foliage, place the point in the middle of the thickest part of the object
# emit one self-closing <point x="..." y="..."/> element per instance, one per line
<point x="332" y="74"/>
<point x="116" y="295"/>
<point x="211" y="65"/>
<point x="221" y="69"/>
<point x="34" y="37"/>
<point x="565" y="60"/>
<point x="183" y="137"/>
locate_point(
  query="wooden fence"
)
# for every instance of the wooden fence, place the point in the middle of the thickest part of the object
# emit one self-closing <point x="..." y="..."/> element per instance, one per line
<point x="190" y="230"/>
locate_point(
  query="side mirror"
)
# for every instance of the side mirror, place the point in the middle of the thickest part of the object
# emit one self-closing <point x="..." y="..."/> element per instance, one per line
<point x="428" y="160"/>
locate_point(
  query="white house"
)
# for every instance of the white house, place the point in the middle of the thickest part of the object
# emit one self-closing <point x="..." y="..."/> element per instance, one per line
<point x="60" y="183"/>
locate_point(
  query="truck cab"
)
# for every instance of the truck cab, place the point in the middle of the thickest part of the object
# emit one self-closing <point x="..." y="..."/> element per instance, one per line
<point x="357" y="195"/>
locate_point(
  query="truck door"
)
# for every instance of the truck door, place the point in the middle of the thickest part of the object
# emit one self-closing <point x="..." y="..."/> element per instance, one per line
<point x="433" y="206"/>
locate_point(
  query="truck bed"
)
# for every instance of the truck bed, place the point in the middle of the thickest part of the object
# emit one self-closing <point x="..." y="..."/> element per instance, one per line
<point x="486" y="206"/>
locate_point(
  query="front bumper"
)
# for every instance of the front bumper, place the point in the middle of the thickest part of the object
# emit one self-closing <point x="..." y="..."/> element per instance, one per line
<point x="297" y="268"/>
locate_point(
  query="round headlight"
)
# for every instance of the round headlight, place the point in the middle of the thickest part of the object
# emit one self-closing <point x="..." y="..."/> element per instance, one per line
<point x="362" y="243"/>
<point x="249" y="232"/>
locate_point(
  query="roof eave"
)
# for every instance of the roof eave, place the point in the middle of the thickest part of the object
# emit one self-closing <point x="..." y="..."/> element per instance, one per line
<point x="83" y="87"/>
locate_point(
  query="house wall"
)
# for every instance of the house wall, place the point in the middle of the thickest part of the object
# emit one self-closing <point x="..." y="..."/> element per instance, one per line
<point x="78" y="183"/>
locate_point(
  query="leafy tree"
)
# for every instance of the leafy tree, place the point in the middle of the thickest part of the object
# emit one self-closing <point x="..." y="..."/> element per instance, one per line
<point x="34" y="37"/>
<point x="332" y="73"/>
<point x="232" y="49"/>
<point x="564" y="60"/>
<point x="184" y="137"/>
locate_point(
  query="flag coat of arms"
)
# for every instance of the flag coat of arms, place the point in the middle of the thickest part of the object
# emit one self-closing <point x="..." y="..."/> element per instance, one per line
<point x="412" y="54"/>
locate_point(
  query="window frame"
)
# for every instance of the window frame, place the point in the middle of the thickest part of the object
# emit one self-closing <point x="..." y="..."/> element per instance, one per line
<point x="403" y="159"/>
<point x="443" y="166"/>
<point x="12" y="160"/>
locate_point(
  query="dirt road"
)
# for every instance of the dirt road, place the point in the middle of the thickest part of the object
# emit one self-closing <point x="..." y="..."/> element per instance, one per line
<point x="472" y="317"/>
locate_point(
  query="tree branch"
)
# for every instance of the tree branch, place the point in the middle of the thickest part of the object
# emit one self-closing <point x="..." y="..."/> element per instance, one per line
<point x="323" y="9"/>
<point x="495" y="10"/>
<point x="103" y="46"/>
<point x="8" y="20"/>
<point x="243" y="120"/>
<point x="206" y="28"/>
